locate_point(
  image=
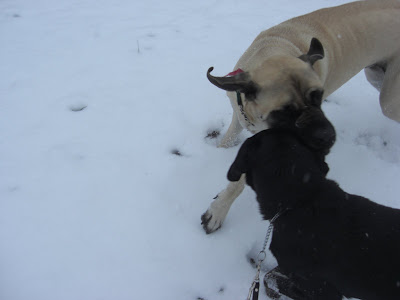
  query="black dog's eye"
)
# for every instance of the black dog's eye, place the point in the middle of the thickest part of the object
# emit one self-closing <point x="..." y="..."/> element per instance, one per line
<point x="289" y="110"/>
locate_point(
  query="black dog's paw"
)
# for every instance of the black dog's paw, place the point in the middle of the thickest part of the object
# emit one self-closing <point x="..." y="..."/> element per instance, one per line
<point x="209" y="223"/>
<point x="215" y="215"/>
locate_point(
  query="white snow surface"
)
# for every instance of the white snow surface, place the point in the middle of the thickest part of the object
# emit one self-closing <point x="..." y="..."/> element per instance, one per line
<point x="95" y="96"/>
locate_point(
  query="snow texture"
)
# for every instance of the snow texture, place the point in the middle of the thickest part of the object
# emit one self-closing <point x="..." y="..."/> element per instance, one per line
<point x="105" y="168"/>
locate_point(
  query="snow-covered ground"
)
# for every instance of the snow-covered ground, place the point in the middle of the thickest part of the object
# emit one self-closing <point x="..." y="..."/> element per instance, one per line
<point x="95" y="97"/>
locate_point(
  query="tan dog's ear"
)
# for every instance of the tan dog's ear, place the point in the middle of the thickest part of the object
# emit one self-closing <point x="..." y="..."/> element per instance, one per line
<point x="316" y="52"/>
<point x="240" y="82"/>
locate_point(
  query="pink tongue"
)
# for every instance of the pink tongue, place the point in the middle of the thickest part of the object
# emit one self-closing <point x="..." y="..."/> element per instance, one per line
<point x="238" y="71"/>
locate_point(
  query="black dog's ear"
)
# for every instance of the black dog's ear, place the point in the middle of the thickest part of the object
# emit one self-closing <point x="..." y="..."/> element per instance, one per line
<point x="324" y="168"/>
<point x="306" y="118"/>
<point x="310" y="118"/>
<point x="316" y="52"/>
<point x="240" y="165"/>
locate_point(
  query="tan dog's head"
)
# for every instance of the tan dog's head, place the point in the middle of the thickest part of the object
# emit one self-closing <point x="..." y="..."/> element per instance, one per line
<point x="279" y="82"/>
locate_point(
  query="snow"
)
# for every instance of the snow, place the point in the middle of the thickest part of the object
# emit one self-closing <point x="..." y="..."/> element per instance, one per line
<point x="95" y="96"/>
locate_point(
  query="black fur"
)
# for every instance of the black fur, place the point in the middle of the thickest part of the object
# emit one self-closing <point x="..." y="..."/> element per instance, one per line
<point x="327" y="242"/>
<point x="309" y="123"/>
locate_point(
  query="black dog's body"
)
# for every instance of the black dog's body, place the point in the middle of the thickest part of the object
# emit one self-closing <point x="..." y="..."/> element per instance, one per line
<point x="327" y="242"/>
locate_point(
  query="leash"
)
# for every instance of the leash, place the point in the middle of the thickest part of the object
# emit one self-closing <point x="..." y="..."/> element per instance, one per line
<point x="255" y="286"/>
<point x="240" y="104"/>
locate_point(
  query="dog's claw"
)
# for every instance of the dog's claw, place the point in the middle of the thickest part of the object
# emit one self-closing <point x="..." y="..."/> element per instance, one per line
<point x="205" y="219"/>
<point x="207" y="223"/>
<point x="215" y="215"/>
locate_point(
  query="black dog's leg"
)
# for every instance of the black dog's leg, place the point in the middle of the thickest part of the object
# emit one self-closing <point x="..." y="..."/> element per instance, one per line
<point x="277" y="283"/>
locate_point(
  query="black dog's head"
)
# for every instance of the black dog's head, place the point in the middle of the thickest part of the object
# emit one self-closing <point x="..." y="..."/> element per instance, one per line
<point x="307" y="135"/>
<point x="310" y="124"/>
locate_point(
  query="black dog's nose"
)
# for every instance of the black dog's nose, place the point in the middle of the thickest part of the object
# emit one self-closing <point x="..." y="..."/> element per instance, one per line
<point x="323" y="137"/>
<point x="321" y="134"/>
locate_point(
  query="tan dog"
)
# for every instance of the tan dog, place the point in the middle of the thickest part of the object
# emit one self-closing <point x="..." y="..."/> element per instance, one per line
<point x="306" y="59"/>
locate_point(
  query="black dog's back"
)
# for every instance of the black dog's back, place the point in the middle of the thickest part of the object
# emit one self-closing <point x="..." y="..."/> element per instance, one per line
<point x="346" y="240"/>
<point x="371" y="252"/>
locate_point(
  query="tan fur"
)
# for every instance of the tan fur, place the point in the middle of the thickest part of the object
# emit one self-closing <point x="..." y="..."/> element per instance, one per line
<point x="355" y="36"/>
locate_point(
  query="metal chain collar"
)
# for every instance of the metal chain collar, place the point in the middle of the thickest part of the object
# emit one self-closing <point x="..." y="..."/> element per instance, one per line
<point x="240" y="104"/>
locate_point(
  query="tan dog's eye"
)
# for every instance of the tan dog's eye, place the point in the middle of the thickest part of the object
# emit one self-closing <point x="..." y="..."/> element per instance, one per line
<point x="251" y="96"/>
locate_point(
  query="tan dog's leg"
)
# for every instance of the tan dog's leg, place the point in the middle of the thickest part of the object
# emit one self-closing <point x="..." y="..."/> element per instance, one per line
<point x="375" y="75"/>
<point x="231" y="136"/>
<point x="390" y="91"/>
<point x="215" y="215"/>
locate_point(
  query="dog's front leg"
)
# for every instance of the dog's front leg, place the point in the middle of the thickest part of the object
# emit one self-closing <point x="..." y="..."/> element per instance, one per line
<point x="390" y="93"/>
<point x="215" y="215"/>
<point x="231" y="136"/>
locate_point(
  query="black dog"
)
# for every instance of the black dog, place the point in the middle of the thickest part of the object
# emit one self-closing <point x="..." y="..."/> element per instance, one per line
<point x="328" y="243"/>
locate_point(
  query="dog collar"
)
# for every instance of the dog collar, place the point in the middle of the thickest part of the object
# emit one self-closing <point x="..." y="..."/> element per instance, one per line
<point x="240" y="104"/>
<point x="239" y="96"/>
<point x="239" y="99"/>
